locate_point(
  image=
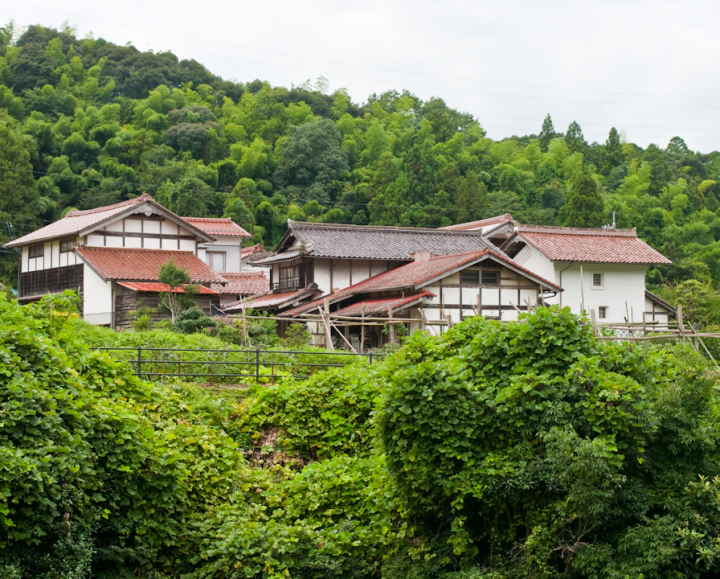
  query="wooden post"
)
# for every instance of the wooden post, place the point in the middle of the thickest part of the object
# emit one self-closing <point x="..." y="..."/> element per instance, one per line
<point x="593" y="321"/>
<point x="681" y="324"/>
<point x="542" y="296"/>
<point x="362" y="331"/>
<point x="392" y="326"/>
<point x="326" y="323"/>
<point x="582" y="291"/>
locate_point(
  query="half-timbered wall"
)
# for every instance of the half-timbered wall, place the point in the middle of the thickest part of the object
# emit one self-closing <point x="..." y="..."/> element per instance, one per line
<point x="458" y="298"/>
<point x="144" y="232"/>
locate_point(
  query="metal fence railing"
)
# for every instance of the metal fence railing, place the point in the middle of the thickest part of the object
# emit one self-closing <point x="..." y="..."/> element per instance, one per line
<point x="258" y="365"/>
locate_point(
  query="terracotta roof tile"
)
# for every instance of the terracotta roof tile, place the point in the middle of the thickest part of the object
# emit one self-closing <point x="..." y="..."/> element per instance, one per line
<point x="243" y="283"/>
<point x="591" y="245"/>
<point x="149" y="286"/>
<point x="381" y="305"/>
<point x="415" y="273"/>
<point x="245" y="251"/>
<point x="218" y="226"/>
<point x="144" y="264"/>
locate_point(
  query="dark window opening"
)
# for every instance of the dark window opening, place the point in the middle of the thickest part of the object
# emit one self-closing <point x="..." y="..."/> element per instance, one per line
<point x="37" y="250"/>
<point x="289" y="278"/>
<point x="470" y="277"/>
<point x="490" y="277"/>
<point x="66" y="245"/>
<point x="602" y="312"/>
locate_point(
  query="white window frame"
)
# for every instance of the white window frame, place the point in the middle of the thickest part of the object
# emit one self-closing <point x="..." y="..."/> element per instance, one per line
<point x="211" y="254"/>
<point x="605" y="317"/>
<point x="602" y="280"/>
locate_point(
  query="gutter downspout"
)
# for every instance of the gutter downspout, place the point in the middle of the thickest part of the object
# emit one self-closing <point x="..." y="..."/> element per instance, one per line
<point x="561" y="285"/>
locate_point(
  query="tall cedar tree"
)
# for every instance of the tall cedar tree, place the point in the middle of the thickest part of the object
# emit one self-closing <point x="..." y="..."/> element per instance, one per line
<point x="575" y="139"/>
<point x="613" y="156"/>
<point x="585" y="206"/>
<point x="547" y="133"/>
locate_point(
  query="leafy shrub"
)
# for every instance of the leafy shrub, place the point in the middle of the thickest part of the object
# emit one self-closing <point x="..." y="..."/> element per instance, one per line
<point x="94" y="473"/>
<point x="327" y="415"/>
<point x="547" y="453"/>
<point x="296" y="336"/>
<point x="192" y="321"/>
<point x="141" y="320"/>
<point x="326" y="521"/>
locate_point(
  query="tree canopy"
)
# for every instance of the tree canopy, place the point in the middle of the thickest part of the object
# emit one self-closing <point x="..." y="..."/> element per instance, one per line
<point x="95" y="123"/>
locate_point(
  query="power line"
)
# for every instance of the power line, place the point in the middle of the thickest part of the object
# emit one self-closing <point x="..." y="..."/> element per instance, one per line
<point x="345" y="63"/>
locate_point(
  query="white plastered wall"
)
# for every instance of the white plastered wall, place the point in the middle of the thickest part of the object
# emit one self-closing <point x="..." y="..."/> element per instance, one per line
<point x="622" y="291"/>
<point x="97" y="298"/>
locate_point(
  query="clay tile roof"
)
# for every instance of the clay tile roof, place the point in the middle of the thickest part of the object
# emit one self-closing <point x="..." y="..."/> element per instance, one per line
<point x="484" y="225"/>
<point x="143" y="264"/>
<point x="151" y="286"/>
<point x="590" y="245"/>
<point x="218" y="226"/>
<point x="243" y="283"/>
<point x="379" y="242"/>
<point x="270" y="300"/>
<point x="245" y="251"/>
<point x="416" y="273"/>
<point x="76" y="221"/>
<point x="381" y="305"/>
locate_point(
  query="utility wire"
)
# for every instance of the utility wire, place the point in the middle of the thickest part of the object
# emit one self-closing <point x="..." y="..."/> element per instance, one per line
<point x="345" y="63"/>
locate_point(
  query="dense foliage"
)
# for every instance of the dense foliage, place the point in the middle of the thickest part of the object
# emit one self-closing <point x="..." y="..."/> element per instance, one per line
<point x="525" y="449"/>
<point x="85" y="123"/>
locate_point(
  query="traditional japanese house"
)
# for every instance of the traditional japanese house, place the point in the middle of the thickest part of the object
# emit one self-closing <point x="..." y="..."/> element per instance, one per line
<point x="112" y="256"/>
<point x="433" y="292"/>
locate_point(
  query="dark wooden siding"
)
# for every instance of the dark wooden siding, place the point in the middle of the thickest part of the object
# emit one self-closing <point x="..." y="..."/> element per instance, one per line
<point x="127" y="300"/>
<point x="51" y="281"/>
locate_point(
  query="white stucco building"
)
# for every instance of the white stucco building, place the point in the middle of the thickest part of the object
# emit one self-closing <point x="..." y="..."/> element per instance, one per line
<point x="598" y="269"/>
<point x="112" y="256"/>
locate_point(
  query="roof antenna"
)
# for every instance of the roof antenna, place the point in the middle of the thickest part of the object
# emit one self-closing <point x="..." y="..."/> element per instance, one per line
<point x="610" y="226"/>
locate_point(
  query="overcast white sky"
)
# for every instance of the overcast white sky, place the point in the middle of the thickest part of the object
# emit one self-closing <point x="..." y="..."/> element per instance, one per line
<point x="647" y="67"/>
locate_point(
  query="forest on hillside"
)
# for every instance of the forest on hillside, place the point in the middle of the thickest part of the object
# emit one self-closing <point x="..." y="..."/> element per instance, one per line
<point x="86" y="123"/>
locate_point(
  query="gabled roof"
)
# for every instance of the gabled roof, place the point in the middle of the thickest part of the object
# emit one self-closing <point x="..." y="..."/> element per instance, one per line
<point x="587" y="245"/>
<point x="661" y="302"/>
<point x="381" y="305"/>
<point x="484" y="225"/>
<point x="84" y="222"/>
<point x="115" y="263"/>
<point x="218" y="226"/>
<point x="243" y="283"/>
<point x="151" y="286"/>
<point x="418" y="274"/>
<point x="372" y="242"/>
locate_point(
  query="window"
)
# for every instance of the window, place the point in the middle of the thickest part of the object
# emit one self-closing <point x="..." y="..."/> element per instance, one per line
<point x="66" y="245"/>
<point x="597" y="280"/>
<point x="37" y="250"/>
<point x="289" y="278"/>
<point x="490" y="277"/>
<point x="216" y="260"/>
<point x="602" y="312"/>
<point x="470" y="276"/>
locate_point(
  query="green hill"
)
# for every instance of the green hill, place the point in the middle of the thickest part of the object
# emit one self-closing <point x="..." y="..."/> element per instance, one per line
<point x="86" y="123"/>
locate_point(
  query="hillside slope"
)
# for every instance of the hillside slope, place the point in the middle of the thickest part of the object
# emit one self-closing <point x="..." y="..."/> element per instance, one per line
<point x="86" y="123"/>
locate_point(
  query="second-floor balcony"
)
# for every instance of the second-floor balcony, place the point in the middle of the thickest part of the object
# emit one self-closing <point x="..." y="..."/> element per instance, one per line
<point x="288" y="284"/>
